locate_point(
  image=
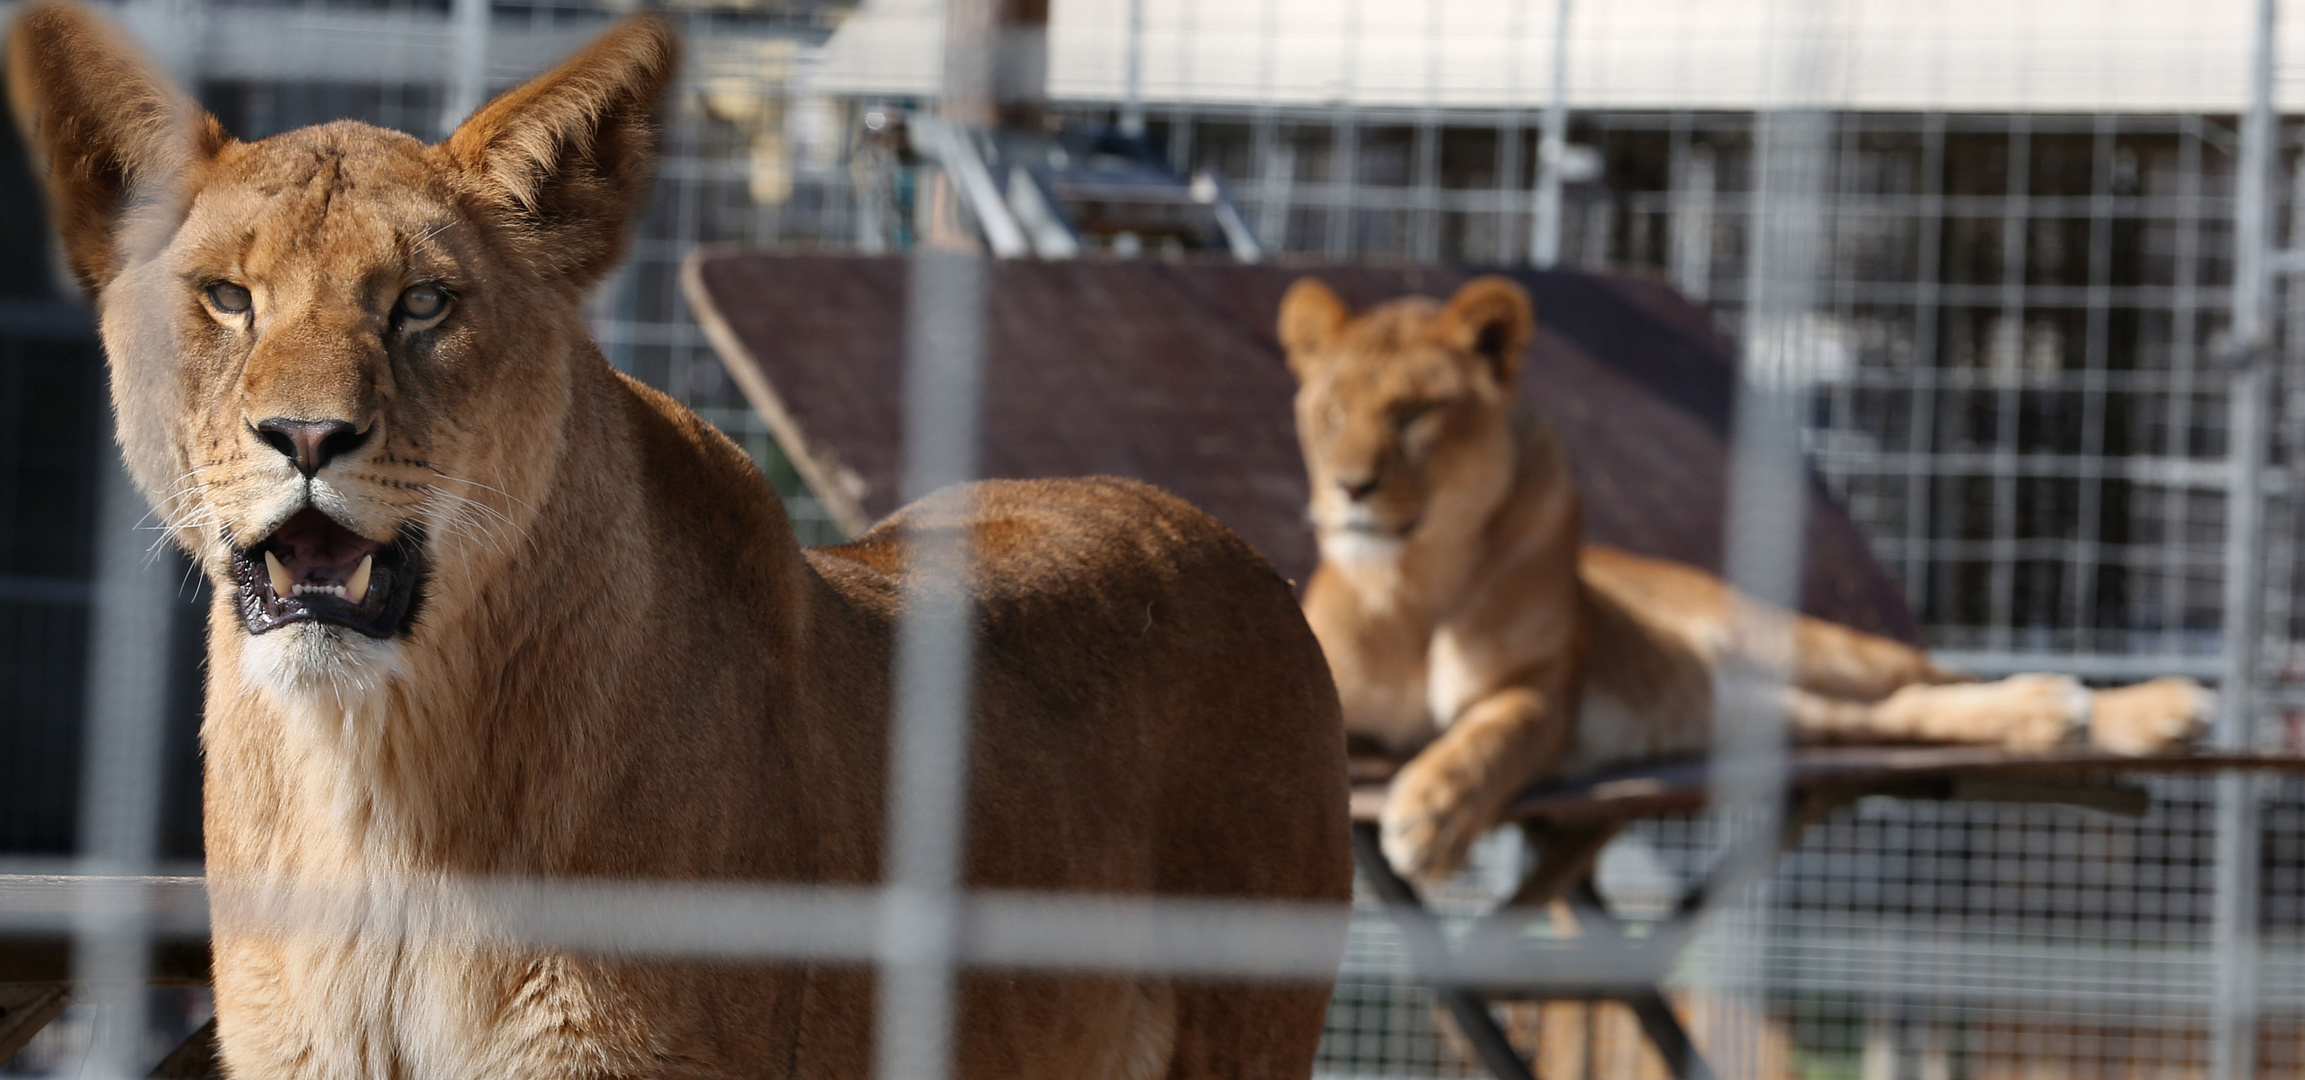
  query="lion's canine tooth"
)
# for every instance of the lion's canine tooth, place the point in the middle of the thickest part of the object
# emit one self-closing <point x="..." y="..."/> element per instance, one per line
<point x="357" y="589"/>
<point x="281" y="586"/>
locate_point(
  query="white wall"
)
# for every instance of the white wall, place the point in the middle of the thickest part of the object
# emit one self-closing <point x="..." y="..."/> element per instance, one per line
<point x="1955" y="55"/>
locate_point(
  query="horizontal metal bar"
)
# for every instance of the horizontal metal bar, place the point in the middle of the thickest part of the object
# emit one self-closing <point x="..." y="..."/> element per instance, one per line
<point x="2204" y="381"/>
<point x="17" y="588"/>
<point x="2198" y="473"/>
<point x="1696" y="122"/>
<point x="1998" y="663"/>
<point x="45" y="320"/>
<point x="1038" y="931"/>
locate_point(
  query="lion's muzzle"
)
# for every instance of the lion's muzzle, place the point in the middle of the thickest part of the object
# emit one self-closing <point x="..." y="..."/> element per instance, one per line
<point x="312" y="569"/>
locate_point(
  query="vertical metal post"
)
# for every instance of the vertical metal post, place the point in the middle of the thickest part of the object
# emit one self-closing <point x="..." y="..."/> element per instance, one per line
<point x="1132" y="75"/>
<point x="1692" y="218"/>
<point x="126" y="701"/>
<point x="2233" y="1012"/>
<point x="1344" y="191"/>
<point x="1509" y="126"/>
<point x="467" y="62"/>
<point x="120" y="782"/>
<point x="1552" y="150"/>
<point x="1767" y="516"/>
<point x="929" y="736"/>
<point x="915" y="1002"/>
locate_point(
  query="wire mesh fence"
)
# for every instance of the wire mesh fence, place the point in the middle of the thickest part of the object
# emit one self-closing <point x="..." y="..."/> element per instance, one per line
<point x="2011" y="287"/>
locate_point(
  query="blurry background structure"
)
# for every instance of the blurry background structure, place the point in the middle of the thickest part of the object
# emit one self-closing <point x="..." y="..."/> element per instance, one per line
<point x="2026" y="313"/>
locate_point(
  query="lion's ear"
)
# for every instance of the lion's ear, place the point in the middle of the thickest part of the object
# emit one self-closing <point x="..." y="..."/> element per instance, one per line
<point x="567" y="156"/>
<point x="1311" y="315"/>
<point x="111" y="135"/>
<point x="1490" y="316"/>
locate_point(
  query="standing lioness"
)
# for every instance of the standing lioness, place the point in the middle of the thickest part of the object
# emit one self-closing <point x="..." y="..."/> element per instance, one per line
<point x="485" y="606"/>
<point x="1468" y="623"/>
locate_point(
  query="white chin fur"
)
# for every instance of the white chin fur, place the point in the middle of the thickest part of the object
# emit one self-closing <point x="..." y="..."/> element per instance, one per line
<point x="1352" y="546"/>
<point x="316" y="665"/>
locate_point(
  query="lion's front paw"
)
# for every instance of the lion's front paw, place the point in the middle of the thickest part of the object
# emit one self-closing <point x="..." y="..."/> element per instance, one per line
<point x="2150" y="717"/>
<point x="1428" y="825"/>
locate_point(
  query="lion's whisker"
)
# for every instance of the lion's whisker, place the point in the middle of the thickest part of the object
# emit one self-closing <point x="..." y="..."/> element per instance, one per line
<point x="495" y="524"/>
<point x="486" y="487"/>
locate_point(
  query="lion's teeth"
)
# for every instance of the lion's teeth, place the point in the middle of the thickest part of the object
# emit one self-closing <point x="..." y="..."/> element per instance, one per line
<point x="357" y="589"/>
<point x="281" y="585"/>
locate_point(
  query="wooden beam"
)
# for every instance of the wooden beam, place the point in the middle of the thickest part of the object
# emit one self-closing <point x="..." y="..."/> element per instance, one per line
<point x="25" y="1008"/>
<point x="195" y="1058"/>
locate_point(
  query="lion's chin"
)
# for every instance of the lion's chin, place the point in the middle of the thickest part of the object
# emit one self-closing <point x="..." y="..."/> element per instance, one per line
<point x="1361" y="546"/>
<point x="316" y="665"/>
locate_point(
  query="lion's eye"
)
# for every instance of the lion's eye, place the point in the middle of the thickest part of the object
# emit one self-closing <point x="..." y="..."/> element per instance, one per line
<point x="229" y="298"/>
<point x="421" y="302"/>
<point x="1410" y="414"/>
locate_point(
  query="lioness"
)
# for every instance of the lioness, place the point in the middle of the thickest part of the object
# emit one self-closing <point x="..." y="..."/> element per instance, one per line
<point x="1467" y="623"/>
<point x="486" y="606"/>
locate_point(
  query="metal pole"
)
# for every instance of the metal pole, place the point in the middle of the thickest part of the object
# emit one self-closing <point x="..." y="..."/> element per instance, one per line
<point x="1552" y="147"/>
<point x="2233" y="1012"/>
<point x="929" y="733"/>
<point x="1767" y="519"/>
<point x="120" y="782"/>
<point x="126" y="684"/>
<point x="468" y="64"/>
<point x="916" y="997"/>
<point x="1132" y="83"/>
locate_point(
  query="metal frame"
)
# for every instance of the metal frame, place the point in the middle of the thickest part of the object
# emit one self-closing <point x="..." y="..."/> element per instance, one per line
<point x="1604" y="962"/>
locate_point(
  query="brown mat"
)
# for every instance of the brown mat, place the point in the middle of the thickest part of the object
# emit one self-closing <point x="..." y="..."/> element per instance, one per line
<point x="1170" y="372"/>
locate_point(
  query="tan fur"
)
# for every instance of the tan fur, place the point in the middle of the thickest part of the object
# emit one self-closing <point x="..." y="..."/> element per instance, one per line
<point x="1466" y="623"/>
<point x="623" y="666"/>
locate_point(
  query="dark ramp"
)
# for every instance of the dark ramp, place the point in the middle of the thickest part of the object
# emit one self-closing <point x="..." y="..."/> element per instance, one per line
<point x="1170" y="373"/>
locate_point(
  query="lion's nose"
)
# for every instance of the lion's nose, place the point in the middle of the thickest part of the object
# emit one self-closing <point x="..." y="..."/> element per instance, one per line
<point x="1357" y="488"/>
<point x="311" y="444"/>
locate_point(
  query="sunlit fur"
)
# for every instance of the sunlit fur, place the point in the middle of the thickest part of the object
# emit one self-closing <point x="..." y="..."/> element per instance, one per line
<point x="622" y="665"/>
<point x="1467" y="623"/>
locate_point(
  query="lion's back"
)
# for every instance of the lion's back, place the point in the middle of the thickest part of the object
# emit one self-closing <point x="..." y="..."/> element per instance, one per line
<point x="1144" y="677"/>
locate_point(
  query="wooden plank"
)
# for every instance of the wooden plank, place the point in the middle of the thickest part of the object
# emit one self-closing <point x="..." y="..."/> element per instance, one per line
<point x="1668" y="788"/>
<point x="196" y="1058"/>
<point x="25" y="1008"/>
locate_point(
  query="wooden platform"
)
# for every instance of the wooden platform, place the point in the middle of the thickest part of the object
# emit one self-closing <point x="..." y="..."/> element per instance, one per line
<point x="1664" y="789"/>
<point x="1169" y="372"/>
<point x="1571" y="821"/>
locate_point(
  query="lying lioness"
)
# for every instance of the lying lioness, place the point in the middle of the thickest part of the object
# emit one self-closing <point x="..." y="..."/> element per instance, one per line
<point x="1467" y="623"/>
<point x="485" y="606"/>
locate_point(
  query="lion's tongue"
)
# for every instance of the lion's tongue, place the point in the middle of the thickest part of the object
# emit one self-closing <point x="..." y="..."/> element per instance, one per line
<point x="311" y="551"/>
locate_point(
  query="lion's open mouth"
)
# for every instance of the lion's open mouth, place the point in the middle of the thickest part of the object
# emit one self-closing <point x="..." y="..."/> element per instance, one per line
<point x="313" y="569"/>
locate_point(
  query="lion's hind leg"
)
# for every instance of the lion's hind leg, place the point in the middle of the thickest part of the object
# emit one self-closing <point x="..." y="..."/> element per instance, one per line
<point x="1699" y="608"/>
<point x="2021" y="712"/>
<point x="1843" y="662"/>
